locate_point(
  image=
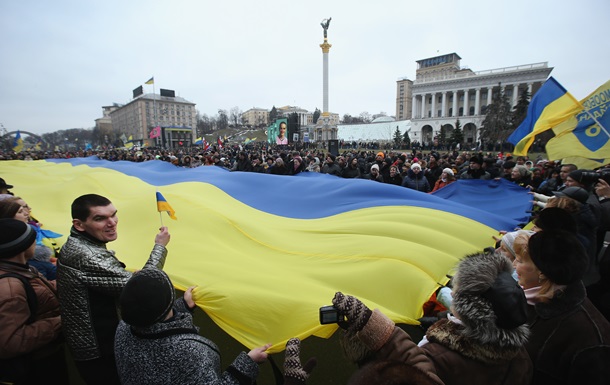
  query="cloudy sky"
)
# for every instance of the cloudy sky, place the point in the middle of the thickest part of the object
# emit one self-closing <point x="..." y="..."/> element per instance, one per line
<point x="61" y="61"/>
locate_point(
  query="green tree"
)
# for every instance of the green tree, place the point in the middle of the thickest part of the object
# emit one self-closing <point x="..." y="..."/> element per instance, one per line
<point x="316" y="115"/>
<point x="273" y="115"/>
<point x="442" y="138"/>
<point x="520" y="110"/>
<point x="497" y="125"/>
<point x="293" y="125"/>
<point x="406" y="138"/>
<point x="397" y="138"/>
<point x="457" y="135"/>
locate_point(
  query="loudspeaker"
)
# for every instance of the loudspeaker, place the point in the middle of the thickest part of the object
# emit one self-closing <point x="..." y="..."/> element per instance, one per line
<point x="333" y="147"/>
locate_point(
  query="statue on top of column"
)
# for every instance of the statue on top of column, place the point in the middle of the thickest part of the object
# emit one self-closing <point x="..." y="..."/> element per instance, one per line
<point x="325" y="23"/>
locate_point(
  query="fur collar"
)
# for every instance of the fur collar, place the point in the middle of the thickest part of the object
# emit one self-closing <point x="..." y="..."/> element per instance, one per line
<point x="452" y="336"/>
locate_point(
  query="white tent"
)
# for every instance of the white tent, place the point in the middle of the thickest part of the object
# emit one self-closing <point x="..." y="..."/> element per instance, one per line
<point x="380" y="130"/>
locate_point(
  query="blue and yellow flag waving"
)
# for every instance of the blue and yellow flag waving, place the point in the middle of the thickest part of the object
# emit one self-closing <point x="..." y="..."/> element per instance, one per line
<point x="267" y="251"/>
<point x="584" y="137"/>
<point x="551" y="105"/>
<point x="18" y="142"/>
<point x="162" y="205"/>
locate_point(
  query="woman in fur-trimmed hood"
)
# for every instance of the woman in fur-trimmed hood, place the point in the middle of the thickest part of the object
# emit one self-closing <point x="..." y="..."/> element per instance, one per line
<point x="483" y="341"/>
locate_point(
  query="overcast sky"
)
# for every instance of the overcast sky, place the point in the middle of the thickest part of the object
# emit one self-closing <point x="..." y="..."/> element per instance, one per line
<point x="62" y="60"/>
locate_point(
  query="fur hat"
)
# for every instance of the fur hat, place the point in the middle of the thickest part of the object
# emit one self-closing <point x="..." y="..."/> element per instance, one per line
<point x="147" y="298"/>
<point x="555" y="218"/>
<point x="559" y="255"/>
<point x="448" y="171"/>
<point x="15" y="237"/>
<point x="486" y="298"/>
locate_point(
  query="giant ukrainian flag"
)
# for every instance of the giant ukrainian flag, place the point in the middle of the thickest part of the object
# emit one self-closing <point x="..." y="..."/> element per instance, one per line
<point x="551" y="105"/>
<point x="583" y="138"/>
<point x="267" y="251"/>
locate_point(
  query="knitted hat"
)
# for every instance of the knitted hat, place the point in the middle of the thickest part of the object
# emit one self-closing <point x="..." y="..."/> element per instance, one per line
<point x="15" y="237"/>
<point x="375" y="166"/>
<point x="485" y="294"/>
<point x="381" y="154"/>
<point x="415" y="165"/>
<point x="147" y="298"/>
<point x="559" y="255"/>
<point x="577" y="175"/>
<point x="577" y="193"/>
<point x="508" y="240"/>
<point x="448" y="171"/>
<point x="509" y="164"/>
<point x="476" y="159"/>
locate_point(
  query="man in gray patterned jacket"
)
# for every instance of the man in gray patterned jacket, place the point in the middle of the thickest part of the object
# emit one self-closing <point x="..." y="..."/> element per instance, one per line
<point x="90" y="279"/>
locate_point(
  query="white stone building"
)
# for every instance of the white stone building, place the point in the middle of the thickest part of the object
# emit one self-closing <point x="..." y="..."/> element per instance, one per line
<point x="444" y="92"/>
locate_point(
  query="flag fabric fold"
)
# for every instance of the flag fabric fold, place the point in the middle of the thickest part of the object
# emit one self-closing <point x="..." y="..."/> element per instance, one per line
<point x="585" y="134"/>
<point x="549" y="106"/>
<point x="262" y="265"/>
<point x="150" y="81"/>
<point x="199" y="140"/>
<point x="162" y="205"/>
<point x="219" y="142"/>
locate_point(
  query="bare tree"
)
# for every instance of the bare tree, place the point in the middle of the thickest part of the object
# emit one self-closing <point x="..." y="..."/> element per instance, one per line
<point x="235" y="115"/>
<point x="365" y="117"/>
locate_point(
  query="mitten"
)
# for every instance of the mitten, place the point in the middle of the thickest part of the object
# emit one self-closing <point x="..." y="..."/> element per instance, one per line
<point x="294" y="372"/>
<point x="356" y="312"/>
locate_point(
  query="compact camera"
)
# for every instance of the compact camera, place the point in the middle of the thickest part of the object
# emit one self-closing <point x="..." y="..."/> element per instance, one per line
<point x="330" y="315"/>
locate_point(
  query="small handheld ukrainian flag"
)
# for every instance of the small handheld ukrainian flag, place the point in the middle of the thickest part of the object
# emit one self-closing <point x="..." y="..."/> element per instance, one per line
<point x="162" y="205"/>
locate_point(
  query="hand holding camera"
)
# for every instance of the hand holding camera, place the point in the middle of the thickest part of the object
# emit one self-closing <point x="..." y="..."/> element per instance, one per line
<point x="353" y="309"/>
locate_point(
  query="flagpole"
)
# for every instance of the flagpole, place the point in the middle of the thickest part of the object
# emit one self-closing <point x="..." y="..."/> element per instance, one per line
<point x="160" y="213"/>
<point x="155" y="104"/>
<point x="597" y="121"/>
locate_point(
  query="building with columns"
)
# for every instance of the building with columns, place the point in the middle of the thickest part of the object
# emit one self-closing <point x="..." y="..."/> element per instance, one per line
<point x="444" y="92"/>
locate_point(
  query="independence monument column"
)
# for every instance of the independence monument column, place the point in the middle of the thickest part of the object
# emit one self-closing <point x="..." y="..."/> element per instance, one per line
<point x="327" y="133"/>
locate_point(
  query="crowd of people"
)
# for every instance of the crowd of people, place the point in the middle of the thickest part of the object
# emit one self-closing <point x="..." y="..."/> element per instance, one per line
<point x="534" y="311"/>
